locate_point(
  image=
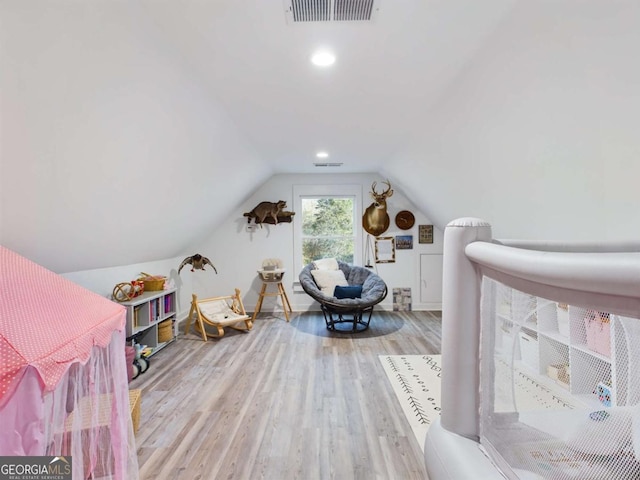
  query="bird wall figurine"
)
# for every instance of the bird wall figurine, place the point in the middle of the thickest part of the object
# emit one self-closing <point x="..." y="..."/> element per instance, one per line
<point x="197" y="262"/>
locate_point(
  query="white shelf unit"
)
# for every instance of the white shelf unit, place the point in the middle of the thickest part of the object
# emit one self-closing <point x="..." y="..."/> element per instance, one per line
<point x="146" y="312"/>
<point x="537" y="333"/>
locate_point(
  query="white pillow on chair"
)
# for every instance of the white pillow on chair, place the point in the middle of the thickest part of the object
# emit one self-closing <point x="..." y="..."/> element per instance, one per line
<point x="326" y="264"/>
<point x="327" y="280"/>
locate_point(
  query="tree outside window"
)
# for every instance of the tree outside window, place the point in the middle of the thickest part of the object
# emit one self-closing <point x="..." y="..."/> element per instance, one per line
<point x="327" y="223"/>
<point x="328" y="228"/>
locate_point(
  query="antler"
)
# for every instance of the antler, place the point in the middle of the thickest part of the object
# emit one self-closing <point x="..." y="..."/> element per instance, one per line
<point x="385" y="194"/>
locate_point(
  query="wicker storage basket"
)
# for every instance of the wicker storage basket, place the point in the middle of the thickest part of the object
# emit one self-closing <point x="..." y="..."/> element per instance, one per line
<point x="99" y="411"/>
<point x="134" y="406"/>
<point x="95" y="420"/>
<point x="152" y="283"/>
<point x="165" y="331"/>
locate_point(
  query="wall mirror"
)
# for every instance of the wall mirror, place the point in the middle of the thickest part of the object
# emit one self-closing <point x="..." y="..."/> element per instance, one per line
<point x="385" y="250"/>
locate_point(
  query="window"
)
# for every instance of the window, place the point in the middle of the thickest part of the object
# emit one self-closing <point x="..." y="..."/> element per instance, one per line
<point x="327" y="228"/>
<point x="329" y="223"/>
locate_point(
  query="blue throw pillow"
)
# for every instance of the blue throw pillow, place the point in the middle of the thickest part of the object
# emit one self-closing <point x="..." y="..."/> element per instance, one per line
<point x="352" y="291"/>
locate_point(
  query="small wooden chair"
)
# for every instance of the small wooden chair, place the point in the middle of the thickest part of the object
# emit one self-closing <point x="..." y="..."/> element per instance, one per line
<point x="218" y="312"/>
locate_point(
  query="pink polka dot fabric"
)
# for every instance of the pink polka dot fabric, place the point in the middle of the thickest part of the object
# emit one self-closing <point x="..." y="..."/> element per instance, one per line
<point x="48" y="322"/>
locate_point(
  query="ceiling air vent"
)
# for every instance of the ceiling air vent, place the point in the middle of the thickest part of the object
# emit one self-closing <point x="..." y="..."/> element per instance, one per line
<point x="327" y="164"/>
<point x="330" y="10"/>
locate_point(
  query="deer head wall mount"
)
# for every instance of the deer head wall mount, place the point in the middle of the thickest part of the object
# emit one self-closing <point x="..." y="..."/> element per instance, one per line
<point x="376" y="219"/>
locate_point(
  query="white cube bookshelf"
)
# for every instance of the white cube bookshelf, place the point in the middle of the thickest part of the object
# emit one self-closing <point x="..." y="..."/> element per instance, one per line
<point x="551" y="335"/>
<point x="146" y="312"/>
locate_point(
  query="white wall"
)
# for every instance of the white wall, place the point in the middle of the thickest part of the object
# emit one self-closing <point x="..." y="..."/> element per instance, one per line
<point x="539" y="134"/>
<point x="238" y="254"/>
<point x="113" y="151"/>
<point x="103" y="280"/>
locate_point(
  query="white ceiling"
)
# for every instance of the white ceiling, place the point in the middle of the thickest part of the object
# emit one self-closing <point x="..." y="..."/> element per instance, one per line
<point x="522" y="113"/>
<point x="361" y="110"/>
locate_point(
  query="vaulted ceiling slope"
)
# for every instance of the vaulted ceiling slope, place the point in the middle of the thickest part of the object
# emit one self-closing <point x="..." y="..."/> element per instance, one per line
<point x="538" y="134"/>
<point x="114" y="152"/>
<point x="143" y="123"/>
<point x="362" y="109"/>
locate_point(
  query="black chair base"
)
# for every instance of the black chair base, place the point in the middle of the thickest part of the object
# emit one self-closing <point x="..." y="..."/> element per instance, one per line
<point x="346" y="315"/>
<point x="347" y="321"/>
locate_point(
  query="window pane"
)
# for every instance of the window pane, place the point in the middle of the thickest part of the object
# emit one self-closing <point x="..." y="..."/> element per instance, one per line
<point x="316" y="248"/>
<point x="327" y="216"/>
<point x="327" y="223"/>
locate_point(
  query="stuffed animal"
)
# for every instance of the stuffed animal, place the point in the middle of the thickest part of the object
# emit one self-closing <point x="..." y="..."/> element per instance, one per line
<point x="265" y="210"/>
<point x="197" y="262"/>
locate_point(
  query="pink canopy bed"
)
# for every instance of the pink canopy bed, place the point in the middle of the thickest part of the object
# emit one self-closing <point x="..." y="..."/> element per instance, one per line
<point x="63" y="376"/>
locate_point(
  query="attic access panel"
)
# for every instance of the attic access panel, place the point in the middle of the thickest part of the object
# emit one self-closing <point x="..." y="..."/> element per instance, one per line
<point x="300" y="11"/>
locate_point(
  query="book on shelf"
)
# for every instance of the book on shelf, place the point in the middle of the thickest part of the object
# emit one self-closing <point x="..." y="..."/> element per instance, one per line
<point x="154" y="310"/>
<point x="168" y="303"/>
<point x="136" y="316"/>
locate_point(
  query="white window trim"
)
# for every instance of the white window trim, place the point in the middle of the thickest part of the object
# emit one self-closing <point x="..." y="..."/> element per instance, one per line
<point x="314" y="191"/>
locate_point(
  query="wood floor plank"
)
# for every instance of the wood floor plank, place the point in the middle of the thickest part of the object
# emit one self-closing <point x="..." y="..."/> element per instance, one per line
<point x="288" y="400"/>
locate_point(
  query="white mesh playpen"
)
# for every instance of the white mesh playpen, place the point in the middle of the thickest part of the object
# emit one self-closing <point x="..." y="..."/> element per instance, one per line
<point x="541" y="350"/>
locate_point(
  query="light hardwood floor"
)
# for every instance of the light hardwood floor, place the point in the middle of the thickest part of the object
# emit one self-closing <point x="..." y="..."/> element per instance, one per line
<point x="284" y="401"/>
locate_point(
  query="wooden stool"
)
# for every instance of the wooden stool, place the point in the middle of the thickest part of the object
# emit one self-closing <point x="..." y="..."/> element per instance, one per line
<point x="272" y="277"/>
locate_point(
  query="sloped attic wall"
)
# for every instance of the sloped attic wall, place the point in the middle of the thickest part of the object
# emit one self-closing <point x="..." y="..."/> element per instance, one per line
<point x="238" y="253"/>
<point x="108" y="139"/>
<point x="539" y="135"/>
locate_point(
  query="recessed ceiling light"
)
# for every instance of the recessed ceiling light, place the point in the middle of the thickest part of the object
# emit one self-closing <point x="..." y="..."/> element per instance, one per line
<point x="322" y="155"/>
<point x="323" y="58"/>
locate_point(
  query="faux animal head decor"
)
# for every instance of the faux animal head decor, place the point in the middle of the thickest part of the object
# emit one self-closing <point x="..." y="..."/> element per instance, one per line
<point x="197" y="262"/>
<point x="376" y="219"/>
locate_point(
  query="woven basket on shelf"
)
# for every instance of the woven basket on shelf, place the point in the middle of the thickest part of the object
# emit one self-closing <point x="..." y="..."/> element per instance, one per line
<point x="152" y="283"/>
<point x="165" y="331"/>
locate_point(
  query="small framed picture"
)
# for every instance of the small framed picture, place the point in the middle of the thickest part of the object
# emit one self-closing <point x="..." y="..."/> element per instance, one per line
<point x="425" y="233"/>
<point x="385" y="250"/>
<point x="404" y="242"/>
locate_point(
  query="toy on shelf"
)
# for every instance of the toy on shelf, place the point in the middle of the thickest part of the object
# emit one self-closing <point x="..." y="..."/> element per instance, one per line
<point x="141" y="362"/>
<point x="598" y="327"/>
<point x="603" y="391"/>
<point x="125" y="291"/>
